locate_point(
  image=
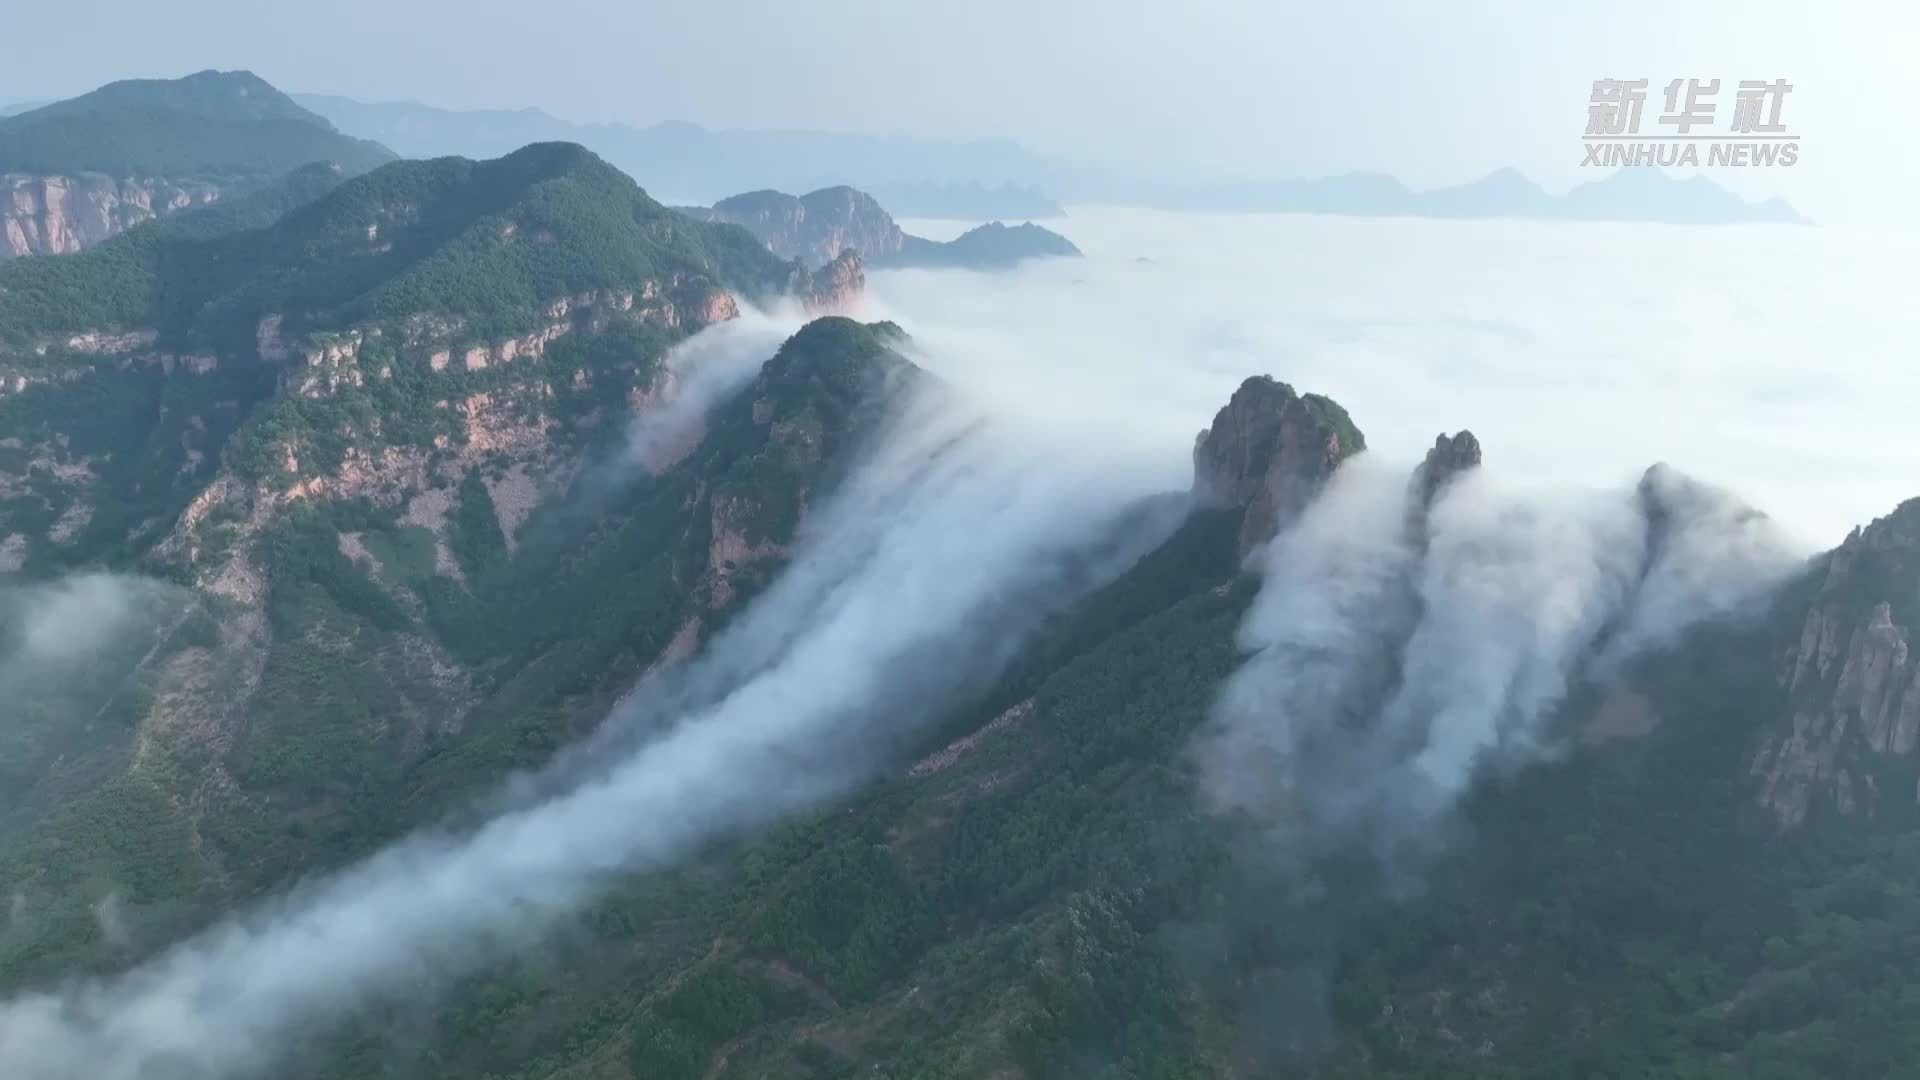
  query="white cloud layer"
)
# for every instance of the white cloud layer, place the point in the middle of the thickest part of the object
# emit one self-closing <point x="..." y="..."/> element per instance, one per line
<point x="1776" y="361"/>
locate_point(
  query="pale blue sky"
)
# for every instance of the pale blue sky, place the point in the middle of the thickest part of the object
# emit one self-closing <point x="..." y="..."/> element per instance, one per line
<point x="1432" y="92"/>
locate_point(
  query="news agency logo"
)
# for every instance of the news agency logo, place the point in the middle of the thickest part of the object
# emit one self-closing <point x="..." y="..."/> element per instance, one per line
<point x="1754" y="136"/>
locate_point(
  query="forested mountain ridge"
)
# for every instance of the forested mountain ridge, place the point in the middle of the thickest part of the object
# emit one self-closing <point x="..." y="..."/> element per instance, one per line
<point x="362" y="651"/>
<point x="77" y="172"/>
<point x="407" y="311"/>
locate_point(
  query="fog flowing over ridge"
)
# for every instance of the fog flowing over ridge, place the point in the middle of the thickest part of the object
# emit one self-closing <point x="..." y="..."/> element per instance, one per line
<point x="1397" y="648"/>
<point x="703" y="370"/>
<point x="915" y="580"/>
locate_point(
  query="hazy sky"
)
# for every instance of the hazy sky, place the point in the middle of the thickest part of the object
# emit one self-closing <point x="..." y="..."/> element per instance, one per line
<point x="1432" y="92"/>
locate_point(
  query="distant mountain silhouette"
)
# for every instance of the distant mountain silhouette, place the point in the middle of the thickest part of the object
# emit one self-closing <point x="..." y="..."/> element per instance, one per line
<point x="1628" y="194"/>
<point x="986" y="179"/>
<point x="693" y="164"/>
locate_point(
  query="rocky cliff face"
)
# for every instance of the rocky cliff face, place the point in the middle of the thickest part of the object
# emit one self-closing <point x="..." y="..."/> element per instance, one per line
<point x="57" y="215"/>
<point x="825" y="225"/>
<point x="1269" y="450"/>
<point x="835" y="288"/>
<point x="1853" y="690"/>
<point x="815" y="228"/>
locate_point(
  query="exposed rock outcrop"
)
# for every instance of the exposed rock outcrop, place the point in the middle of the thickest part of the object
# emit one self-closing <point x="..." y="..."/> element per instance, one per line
<point x="1852" y="687"/>
<point x="1268" y="451"/>
<point x="834" y="289"/>
<point x="1451" y="455"/>
<point x="58" y="215"/>
<point x="825" y="225"/>
<point x="331" y="360"/>
<point x="110" y="343"/>
<point x="815" y="228"/>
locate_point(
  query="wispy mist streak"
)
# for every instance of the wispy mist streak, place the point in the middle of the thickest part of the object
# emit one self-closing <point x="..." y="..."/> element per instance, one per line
<point x="918" y="578"/>
<point x="1397" y="649"/>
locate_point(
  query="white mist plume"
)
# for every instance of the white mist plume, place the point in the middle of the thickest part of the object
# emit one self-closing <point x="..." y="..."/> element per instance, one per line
<point x="56" y="626"/>
<point x="1389" y="667"/>
<point x="1514" y="589"/>
<point x="702" y="370"/>
<point x="111" y="921"/>
<point x="918" y="577"/>
<point x="1336" y="594"/>
<point x="1714" y="557"/>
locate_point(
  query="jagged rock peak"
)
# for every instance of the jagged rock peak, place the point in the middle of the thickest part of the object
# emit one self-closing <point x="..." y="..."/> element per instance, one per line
<point x="1268" y="451"/>
<point x="1451" y="455"/>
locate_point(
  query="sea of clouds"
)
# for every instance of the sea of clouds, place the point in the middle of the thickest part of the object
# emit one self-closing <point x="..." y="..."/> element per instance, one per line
<point x="1777" y="361"/>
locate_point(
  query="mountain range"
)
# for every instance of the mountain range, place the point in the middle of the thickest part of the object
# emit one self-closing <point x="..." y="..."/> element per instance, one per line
<point x="354" y="525"/>
<point x="916" y="177"/>
<point x="996" y="179"/>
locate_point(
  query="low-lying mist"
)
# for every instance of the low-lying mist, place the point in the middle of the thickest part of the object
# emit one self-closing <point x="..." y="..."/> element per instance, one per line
<point x="70" y="652"/>
<point x="916" y="579"/>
